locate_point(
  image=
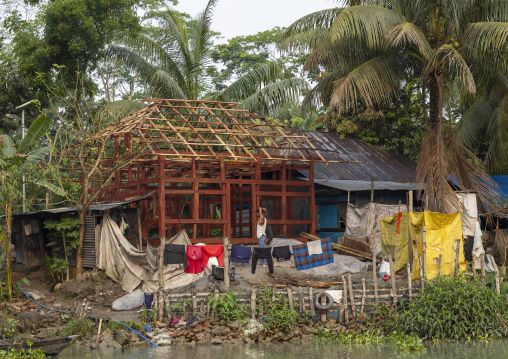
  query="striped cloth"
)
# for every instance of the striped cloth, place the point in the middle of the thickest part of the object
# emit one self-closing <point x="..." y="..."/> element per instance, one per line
<point x="152" y="256"/>
<point x="304" y="261"/>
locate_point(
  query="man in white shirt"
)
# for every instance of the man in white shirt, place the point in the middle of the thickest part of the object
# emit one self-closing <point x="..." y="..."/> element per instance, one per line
<point x="261" y="233"/>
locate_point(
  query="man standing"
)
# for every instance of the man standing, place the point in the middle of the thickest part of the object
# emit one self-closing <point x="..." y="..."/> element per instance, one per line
<point x="261" y="233"/>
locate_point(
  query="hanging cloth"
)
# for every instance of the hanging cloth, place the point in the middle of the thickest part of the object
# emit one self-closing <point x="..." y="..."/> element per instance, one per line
<point x="314" y="247"/>
<point x="194" y="259"/>
<point x="213" y="251"/>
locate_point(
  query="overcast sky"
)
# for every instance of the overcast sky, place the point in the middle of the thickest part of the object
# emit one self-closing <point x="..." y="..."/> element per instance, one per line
<point x="247" y="17"/>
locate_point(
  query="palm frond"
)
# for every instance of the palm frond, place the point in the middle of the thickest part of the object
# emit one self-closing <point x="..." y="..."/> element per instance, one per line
<point x="164" y="86"/>
<point x="251" y="82"/>
<point x="491" y="10"/>
<point x="487" y="44"/>
<point x="444" y="156"/>
<point x="321" y="93"/>
<point x="367" y="23"/>
<point x="116" y="110"/>
<point x="275" y="95"/>
<point x="456" y="64"/>
<point x="309" y="31"/>
<point x="474" y="121"/>
<point x="406" y="33"/>
<point x="375" y="82"/>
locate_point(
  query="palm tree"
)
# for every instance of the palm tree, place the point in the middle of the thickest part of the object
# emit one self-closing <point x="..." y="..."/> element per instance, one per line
<point x="173" y="62"/>
<point x="370" y="48"/>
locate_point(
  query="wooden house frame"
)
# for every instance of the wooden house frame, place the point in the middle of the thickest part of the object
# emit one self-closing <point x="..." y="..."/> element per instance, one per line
<point x="207" y="164"/>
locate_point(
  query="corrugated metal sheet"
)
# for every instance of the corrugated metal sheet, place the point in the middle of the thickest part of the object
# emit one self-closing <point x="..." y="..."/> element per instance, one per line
<point x="89" y="243"/>
<point x="377" y="162"/>
<point x="93" y="207"/>
<point x="367" y="185"/>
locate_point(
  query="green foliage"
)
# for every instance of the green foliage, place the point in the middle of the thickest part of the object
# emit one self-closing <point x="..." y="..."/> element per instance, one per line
<point x="64" y="233"/>
<point x="406" y="342"/>
<point x="57" y="267"/>
<point x="279" y="315"/>
<point x="8" y="326"/>
<point x="148" y="315"/>
<point x="227" y="308"/>
<point x="22" y="353"/>
<point x="454" y="308"/>
<point x="84" y="327"/>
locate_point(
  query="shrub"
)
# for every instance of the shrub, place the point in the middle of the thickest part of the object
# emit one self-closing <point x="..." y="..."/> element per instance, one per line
<point x="450" y="308"/>
<point x="227" y="308"/>
<point x="84" y="327"/>
<point x="278" y="314"/>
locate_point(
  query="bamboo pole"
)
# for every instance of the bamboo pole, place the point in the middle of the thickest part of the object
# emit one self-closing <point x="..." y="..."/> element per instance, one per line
<point x="311" y="301"/>
<point x="226" y="262"/>
<point x="290" y="297"/>
<point x="457" y="251"/>
<point x="374" y="259"/>
<point x="372" y="189"/>
<point x="346" y="312"/>
<point x="392" y="277"/>
<point x="253" y="302"/>
<point x="420" y="262"/>
<point x="323" y="313"/>
<point x="98" y="334"/>
<point x="155" y="302"/>
<point x="161" y="262"/>
<point x="363" y="294"/>
<point x="160" y="304"/>
<point x="194" y="303"/>
<point x="140" y="232"/>
<point x="409" y="283"/>
<point x="496" y="272"/>
<point x="474" y="266"/>
<point x="482" y="263"/>
<point x="351" y="294"/>
<point x="440" y="264"/>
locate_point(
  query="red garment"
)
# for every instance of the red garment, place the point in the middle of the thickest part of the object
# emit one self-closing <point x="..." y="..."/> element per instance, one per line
<point x="213" y="251"/>
<point x="195" y="259"/>
<point x="399" y="217"/>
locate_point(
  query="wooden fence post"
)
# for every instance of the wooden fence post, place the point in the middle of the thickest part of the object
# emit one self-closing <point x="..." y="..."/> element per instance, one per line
<point x="392" y="277"/>
<point x="440" y="264"/>
<point x="226" y="261"/>
<point x="457" y="251"/>
<point x="409" y="283"/>
<point x="496" y="272"/>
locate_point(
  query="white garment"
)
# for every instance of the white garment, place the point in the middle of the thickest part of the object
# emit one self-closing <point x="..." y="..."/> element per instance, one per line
<point x="212" y="261"/>
<point x="478" y="249"/>
<point x="261" y="230"/>
<point x="336" y="295"/>
<point x="469" y="213"/>
<point x="314" y="247"/>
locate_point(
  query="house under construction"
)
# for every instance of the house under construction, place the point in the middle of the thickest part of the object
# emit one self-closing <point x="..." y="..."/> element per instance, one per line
<point x="206" y="166"/>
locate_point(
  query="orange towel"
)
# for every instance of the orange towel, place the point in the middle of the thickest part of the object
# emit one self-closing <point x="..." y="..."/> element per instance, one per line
<point x="213" y="251"/>
<point x="399" y="217"/>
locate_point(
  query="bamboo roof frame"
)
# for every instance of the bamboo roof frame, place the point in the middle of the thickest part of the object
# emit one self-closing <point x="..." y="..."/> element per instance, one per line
<point x="183" y="130"/>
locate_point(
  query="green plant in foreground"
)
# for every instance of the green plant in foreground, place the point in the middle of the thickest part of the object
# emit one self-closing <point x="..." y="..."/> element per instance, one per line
<point x="454" y="308"/>
<point x="279" y="315"/>
<point x="227" y="308"/>
<point x="406" y="342"/>
<point x="12" y="353"/>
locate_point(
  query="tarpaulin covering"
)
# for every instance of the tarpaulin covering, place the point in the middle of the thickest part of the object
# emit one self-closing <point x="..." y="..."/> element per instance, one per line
<point x="396" y="242"/>
<point x="363" y="222"/>
<point x="441" y="234"/>
<point x="129" y="266"/>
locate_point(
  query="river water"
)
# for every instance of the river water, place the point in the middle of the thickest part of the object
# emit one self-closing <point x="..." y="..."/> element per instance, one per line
<point x="494" y="349"/>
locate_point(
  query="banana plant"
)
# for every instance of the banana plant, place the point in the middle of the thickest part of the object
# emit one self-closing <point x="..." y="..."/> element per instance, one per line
<point x="14" y="163"/>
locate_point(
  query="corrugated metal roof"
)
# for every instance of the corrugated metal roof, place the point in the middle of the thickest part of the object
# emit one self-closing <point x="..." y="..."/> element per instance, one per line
<point x="377" y="162"/>
<point x="93" y="207"/>
<point x="353" y="185"/>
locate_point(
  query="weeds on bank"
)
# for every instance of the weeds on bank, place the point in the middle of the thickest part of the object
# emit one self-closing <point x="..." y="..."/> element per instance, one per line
<point x="278" y="314"/>
<point x="12" y="353"/>
<point x="84" y="327"/>
<point x="227" y="308"/>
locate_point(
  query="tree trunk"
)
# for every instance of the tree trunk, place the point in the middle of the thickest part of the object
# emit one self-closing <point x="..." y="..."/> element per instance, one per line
<point x="79" y="254"/>
<point x="8" y="277"/>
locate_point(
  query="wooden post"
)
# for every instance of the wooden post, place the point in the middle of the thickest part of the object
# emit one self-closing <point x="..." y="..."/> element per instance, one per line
<point x="374" y="258"/>
<point x="372" y="189"/>
<point x="98" y="334"/>
<point x="140" y="231"/>
<point x="392" y="279"/>
<point x="351" y="294"/>
<point x="364" y="293"/>
<point x="348" y="192"/>
<point x="311" y="301"/>
<point x="160" y="304"/>
<point x="482" y="263"/>
<point x="344" y="294"/>
<point x="226" y="261"/>
<point x="496" y="272"/>
<point x="312" y="208"/>
<point x="162" y="196"/>
<point x="410" y="201"/>
<point x="424" y="260"/>
<point x="474" y="266"/>
<point x="155" y="303"/>
<point x="253" y="302"/>
<point x="290" y="296"/>
<point x="409" y="283"/>
<point x="440" y="264"/>
<point x="194" y="303"/>
<point x="323" y="313"/>
<point x="161" y="262"/>
<point x="457" y="251"/>
<point x="420" y="262"/>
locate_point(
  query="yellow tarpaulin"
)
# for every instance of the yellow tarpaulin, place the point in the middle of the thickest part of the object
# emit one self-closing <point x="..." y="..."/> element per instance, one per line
<point x="441" y="233"/>
<point x="395" y="243"/>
